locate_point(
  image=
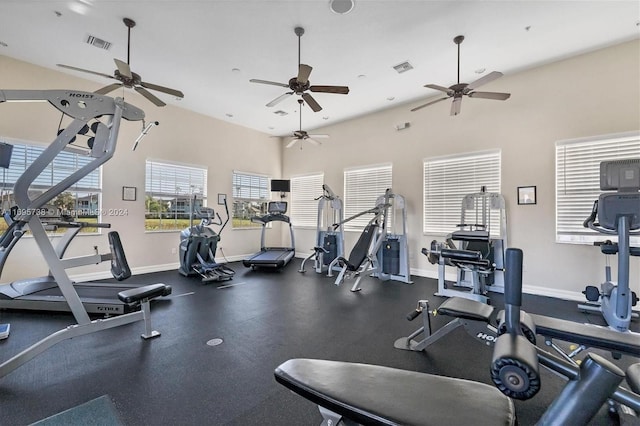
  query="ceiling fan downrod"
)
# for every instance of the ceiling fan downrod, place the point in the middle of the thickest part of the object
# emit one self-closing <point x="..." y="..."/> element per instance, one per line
<point x="299" y="32"/>
<point x="458" y="40"/>
<point x="130" y="23"/>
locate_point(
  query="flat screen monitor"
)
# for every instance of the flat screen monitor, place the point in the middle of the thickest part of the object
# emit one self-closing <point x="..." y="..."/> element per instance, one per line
<point x="280" y="185"/>
<point x="5" y="154"/>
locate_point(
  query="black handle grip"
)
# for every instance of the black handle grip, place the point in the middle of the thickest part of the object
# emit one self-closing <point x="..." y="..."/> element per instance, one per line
<point x="413" y="314"/>
<point x="513" y="277"/>
<point x="592" y="216"/>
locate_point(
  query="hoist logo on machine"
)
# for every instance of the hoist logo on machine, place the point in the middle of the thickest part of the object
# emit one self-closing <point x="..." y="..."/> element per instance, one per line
<point x="81" y="95"/>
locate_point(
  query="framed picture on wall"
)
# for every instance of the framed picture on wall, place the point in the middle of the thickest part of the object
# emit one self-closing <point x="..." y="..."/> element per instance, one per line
<point x="129" y="193"/>
<point x="526" y="195"/>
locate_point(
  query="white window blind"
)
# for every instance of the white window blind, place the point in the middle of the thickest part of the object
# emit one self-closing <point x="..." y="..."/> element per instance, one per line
<point x="304" y="206"/>
<point x="578" y="181"/>
<point x="169" y="189"/>
<point x="362" y="186"/>
<point x="448" y="179"/>
<point x="83" y="197"/>
<point x="250" y="197"/>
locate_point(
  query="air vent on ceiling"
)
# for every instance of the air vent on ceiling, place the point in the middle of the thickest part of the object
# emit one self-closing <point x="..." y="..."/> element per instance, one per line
<point x="403" y="67"/>
<point x="281" y="112"/>
<point x="98" y="42"/>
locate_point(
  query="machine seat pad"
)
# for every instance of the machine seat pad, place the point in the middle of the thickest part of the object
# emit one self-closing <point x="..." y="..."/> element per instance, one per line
<point x="633" y="377"/>
<point x="371" y="394"/>
<point x="459" y="307"/>
<point x="470" y="236"/>
<point x="587" y="334"/>
<point x="150" y="291"/>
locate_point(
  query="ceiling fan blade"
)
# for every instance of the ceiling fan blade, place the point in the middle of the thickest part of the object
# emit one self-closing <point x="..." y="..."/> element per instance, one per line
<point x="83" y="70"/>
<point x="455" y="106"/>
<point x="318" y="136"/>
<point x="303" y="73"/>
<point x="342" y="90"/>
<point x="167" y="90"/>
<point x="292" y="142"/>
<point x="144" y="92"/>
<point x="312" y="142"/>
<point x="440" y="88"/>
<point x="108" y="88"/>
<point x="315" y="106"/>
<point x="483" y="80"/>
<point x="490" y="95"/>
<point x="279" y="99"/>
<point x="428" y="103"/>
<point x="123" y="68"/>
<point x="273" y="83"/>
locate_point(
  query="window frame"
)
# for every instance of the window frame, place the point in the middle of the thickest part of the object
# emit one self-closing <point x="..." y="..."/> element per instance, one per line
<point x="30" y="151"/>
<point x="181" y="198"/>
<point x="584" y="185"/>
<point x="452" y="197"/>
<point x="261" y="203"/>
<point x="304" y="203"/>
<point x="358" y="201"/>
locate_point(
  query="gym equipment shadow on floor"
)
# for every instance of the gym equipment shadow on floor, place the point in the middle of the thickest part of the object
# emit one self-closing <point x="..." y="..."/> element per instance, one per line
<point x="263" y="319"/>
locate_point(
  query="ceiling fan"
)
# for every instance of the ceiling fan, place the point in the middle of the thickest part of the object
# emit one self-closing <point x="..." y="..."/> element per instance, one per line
<point x="301" y="135"/>
<point x="458" y="90"/>
<point x="128" y="78"/>
<point x="300" y="84"/>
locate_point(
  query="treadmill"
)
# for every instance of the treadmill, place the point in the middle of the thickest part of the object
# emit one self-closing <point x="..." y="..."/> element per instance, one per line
<point x="272" y="257"/>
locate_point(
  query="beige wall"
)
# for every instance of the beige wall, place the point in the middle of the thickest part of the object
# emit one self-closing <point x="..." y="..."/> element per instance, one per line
<point x="182" y="136"/>
<point x="593" y="94"/>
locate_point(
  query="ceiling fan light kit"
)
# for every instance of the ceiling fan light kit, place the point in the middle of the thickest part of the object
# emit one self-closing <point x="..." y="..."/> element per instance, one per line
<point x="458" y="90"/>
<point x="128" y="78"/>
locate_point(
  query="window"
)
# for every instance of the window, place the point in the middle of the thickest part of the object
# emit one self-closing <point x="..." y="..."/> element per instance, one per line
<point x="171" y="191"/>
<point x="448" y="179"/>
<point x="362" y="187"/>
<point x="81" y="201"/>
<point x="304" y="205"/>
<point x="250" y="198"/>
<point x="578" y="181"/>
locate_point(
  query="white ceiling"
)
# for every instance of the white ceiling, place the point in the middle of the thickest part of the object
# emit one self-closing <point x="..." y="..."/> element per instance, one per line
<point x="194" y="46"/>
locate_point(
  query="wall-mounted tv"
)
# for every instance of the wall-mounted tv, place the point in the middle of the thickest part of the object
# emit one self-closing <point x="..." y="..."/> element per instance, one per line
<point x="280" y="185"/>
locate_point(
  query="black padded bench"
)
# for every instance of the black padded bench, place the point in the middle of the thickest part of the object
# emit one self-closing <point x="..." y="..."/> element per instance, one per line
<point x="370" y="394"/>
<point x="147" y="292"/>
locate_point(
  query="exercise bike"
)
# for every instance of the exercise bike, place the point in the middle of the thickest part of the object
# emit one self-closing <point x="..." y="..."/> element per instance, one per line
<point x="616" y="214"/>
<point x="199" y="243"/>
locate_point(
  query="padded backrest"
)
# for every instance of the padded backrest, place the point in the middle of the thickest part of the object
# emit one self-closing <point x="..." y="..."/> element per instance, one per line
<point x="119" y="266"/>
<point x="361" y="249"/>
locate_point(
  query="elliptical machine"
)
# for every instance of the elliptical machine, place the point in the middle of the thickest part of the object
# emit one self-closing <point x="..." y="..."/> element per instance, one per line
<point x="199" y="243"/>
<point x="617" y="214"/>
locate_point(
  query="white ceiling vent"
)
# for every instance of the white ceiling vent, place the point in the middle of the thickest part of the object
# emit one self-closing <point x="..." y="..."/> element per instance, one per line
<point x="281" y="112"/>
<point x="98" y="42"/>
<point x="403" y="67"/>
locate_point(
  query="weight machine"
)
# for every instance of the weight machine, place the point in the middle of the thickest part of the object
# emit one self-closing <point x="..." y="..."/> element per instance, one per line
<point x="82" y="107"/>
<point x="382" y="251"/>
<point x="329" y="239"/>
<point x="479" y="255"/>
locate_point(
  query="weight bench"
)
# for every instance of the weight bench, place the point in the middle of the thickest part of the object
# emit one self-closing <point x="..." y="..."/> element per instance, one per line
<point x="359" y="258"/>
<point x="369" y="394"/>
<point x="141" y="295"/>
<point x="481" y="321"/>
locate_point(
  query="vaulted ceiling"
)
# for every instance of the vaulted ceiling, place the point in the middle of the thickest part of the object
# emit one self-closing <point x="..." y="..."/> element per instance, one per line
<point x="210" y="49"/>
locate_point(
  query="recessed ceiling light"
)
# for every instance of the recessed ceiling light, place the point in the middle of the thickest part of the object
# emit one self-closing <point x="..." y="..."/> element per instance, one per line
<point x="325" y="117"/>
<point x="527" y="28"/>
<point x="235" y="70"/>
<point x="391" y="98"/>
<point x="229" y="115"/>
<point x="362" y="76"/>
<point x="3" y="44"/>
<point x="480" y="70"/>
<point x="342" y="7"/>
<point x="270" y="127"/>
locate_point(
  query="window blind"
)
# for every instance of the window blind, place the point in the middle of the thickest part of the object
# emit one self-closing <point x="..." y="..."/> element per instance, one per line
<point x="578" y="181"/>
<point x="362" y="186"/>
<point x="448" y="179"/>
<point x="304" y="206"/>
<point x="166" y="180"/>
